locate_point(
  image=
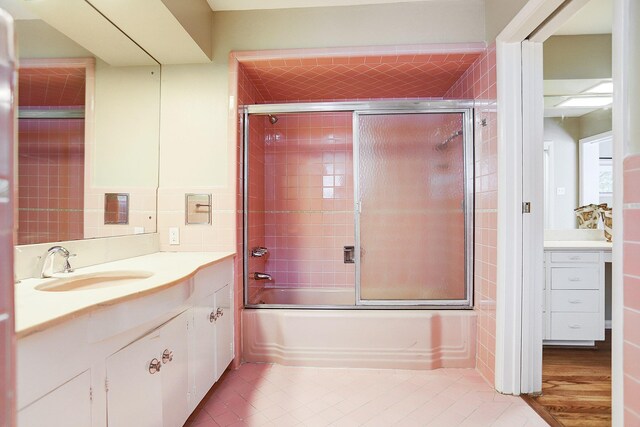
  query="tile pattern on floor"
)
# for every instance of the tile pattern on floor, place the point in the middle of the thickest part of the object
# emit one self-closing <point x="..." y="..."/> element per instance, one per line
<point x="274" y="395"/>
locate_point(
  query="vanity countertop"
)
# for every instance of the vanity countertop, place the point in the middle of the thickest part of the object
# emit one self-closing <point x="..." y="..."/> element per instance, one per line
<point x="578" y="244"/>
<point x="38" y="310"/>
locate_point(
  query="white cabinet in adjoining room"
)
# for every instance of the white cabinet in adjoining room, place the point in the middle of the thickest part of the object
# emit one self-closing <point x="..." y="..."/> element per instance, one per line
<point x="67" y="406"/>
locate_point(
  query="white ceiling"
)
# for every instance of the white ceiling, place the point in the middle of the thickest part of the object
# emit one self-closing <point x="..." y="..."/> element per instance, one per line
<point x="596" y="17"/>
<point x="219" y="5"/>
<point x="556" y="91"/>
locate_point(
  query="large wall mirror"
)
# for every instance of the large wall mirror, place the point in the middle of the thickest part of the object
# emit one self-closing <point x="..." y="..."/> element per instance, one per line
<point x="85" y="129"/>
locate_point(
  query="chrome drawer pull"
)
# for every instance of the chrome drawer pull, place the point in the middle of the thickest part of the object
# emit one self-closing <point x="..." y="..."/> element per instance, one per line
<point x="574" y="326"/>
<point x="575" y="301"/>
<point x="575" y="258"/>
<point x="574" y="279"/>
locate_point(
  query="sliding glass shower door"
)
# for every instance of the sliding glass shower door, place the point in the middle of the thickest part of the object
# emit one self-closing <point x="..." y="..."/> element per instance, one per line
<point x="413" y="195"/>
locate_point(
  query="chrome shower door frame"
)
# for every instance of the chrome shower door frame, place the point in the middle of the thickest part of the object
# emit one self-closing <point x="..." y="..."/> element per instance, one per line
<point x="464" y="107"/>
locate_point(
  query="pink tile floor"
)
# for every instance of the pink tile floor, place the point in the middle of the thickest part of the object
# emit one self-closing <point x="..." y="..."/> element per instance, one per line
<point x="274" y="395"/>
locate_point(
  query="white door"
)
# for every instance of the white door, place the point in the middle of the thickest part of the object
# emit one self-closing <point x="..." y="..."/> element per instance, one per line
<point x="224" y="330"/>
<point x="67" y="406"/>
<point x="134" y="395"/>
<point x="175" y="374"/>
<point x="203" y="355"/>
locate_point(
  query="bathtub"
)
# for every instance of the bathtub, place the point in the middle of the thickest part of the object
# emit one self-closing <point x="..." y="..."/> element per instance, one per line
<point x="307" y="296"/>
<point x="393" y="339"/>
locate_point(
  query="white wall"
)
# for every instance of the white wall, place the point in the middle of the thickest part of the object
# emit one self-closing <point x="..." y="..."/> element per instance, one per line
<point x="564" y="134"/>
<point x="498" y="14"/>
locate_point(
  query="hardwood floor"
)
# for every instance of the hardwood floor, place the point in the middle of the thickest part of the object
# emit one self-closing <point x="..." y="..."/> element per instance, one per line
<point x="576" y="386"/>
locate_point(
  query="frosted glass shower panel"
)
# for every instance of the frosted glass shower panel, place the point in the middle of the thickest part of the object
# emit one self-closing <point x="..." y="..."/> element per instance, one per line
<point x="412" y="219"/>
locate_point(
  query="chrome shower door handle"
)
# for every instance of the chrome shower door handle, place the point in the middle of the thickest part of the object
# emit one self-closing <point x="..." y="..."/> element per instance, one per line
<point x="349" y="254"/>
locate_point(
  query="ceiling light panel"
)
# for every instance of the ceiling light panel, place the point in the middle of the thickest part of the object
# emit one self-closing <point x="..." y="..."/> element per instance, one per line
<point x="587" y="101"/>
<point x="603" y="87"/>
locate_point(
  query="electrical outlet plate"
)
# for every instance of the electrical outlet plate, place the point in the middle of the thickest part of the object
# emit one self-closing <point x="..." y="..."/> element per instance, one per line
<point x="174" y="236"/>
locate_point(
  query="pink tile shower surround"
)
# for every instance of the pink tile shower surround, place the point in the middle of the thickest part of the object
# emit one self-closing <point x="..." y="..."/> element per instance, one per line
<point x="245" y="92"/>
<point x="631" y="254"/>
<point x="479" y="83"/>
<point x="51" y="180"/>
<point x="304" y="173"/>
<point x="273" y="395"/>
<point x="51" y="154"/>
<point x="357" y="76"/>
<point x="52" y="87"/>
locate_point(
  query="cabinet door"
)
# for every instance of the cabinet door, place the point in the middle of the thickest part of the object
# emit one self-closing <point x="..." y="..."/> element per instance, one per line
<point x="67" y="406"/>
<point x="224" y="330"/>
<point x="174" y="375"/>
<point x="203" y="356"/>
<point x="134" y="388"/>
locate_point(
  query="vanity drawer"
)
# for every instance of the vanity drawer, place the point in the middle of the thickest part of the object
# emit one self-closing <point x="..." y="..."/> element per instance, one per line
<point x="576" y="326"/>
<point x="575" y="277"/>
<point x="579" y="301"/>
<point x="575" y="257"/>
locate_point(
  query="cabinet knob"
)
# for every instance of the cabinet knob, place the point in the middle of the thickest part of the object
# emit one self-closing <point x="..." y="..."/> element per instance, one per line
<point x="574" y="258"/>
<point x="167" y="356"/>
<point x="154" y="366"/>
<point x="574" y="279"/>
<point x="575" y="301"/>
<point x="574" y="326"/>
<point x="213" y="316"/>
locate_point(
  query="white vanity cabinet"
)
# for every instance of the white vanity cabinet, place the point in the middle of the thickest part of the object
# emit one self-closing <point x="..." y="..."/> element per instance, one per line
<point x="211" y="344"/>
<point x="67" y="406"/>
<point x="146" y="361"/>
<point x="574" y="296"/>
<point x="147" y="380"/>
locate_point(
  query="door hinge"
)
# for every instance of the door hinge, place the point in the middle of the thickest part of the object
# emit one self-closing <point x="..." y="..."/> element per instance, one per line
<point x="526" y="207"/>
<point x="91" y="394"/>
<point x="106" y="384"/>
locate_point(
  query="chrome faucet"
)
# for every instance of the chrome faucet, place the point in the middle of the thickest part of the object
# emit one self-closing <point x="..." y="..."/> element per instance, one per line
<point x="259" y="251"/>
<point x="50" y="258"/>
<point x="261" y="276"/>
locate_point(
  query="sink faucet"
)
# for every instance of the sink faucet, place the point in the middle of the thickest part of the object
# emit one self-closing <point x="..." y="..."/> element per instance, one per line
<point x="50" y="258"/>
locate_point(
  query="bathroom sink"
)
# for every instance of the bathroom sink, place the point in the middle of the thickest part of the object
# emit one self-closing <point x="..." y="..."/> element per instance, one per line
<point x="91" y="281"/>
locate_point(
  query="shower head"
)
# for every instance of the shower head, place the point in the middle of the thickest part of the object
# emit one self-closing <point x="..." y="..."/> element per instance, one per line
<point x="443" y="145"/>
<point x="273" y="119"/>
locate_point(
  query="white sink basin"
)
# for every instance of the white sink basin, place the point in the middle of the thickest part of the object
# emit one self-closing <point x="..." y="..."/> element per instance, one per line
<point x="84" y="282"/>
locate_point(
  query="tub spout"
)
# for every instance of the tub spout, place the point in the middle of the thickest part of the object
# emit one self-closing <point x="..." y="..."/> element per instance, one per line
<point x="261" y="276"/>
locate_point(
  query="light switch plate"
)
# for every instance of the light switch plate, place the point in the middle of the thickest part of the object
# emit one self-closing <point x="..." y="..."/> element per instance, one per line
<point x="174" y="236"/>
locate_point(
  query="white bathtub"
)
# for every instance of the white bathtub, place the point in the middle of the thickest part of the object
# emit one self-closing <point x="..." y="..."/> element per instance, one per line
<point x="307" y="296"/>
<point x="395" y="339"/>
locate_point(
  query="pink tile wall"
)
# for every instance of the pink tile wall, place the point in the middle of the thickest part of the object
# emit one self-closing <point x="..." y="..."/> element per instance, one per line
<point x="257" y="202"/>
<point x="308" y="189"/>
<point x="51" y="180"/>
<point x="631" y="256"/>
<point x="479" y="83"/>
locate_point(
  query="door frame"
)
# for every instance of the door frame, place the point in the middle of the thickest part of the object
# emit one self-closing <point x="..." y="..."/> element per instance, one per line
<point x="518" y="343"/>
